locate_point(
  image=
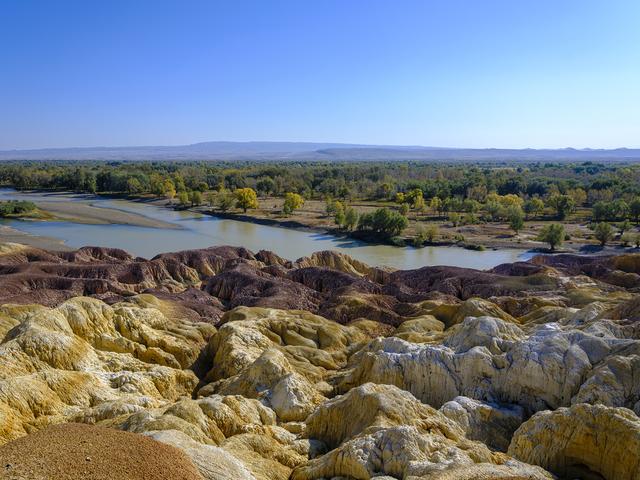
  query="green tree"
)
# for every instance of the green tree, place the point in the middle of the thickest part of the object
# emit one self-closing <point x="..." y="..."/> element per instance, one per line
<point x="534" y="207"/>
<point x="435" y="204"/>
<point x="169" y="189"/>
<point x="225" y="199"/>
<point x="90" y="183"/>
<point x="292" y="202"/>
<point x="619" y="209"/>
<point x="420" y="236"/>
<point x="431" y="232"/>
<point x="265" y="185"/>
<point x="515" y="217"/>
<point x="634" y="209"/>
<point x="183" y="198"/>
<point x="134" y="186"/>
<point x="384" y="222"/>
<point x="350" y="218"/>
<point x="404" y="209"/>
<point x="333" y="206"/>
<point x="495" y="210"/>
<point x="471" y="206"/>
<point x="624" y="227"/>
<point x="16" y="207"/>
<point x="603" y="233"/>
<point x="601" y="211"/>
<point x="562" y="204"/>
<point x="178" y="182"/>
<point x="383" y="190"/>
<point x="552" y="234"/>
<point x="579" y="196"/>
<point x="246" y="198"/>
<point x="156" y="184"/>
<point x="413" y="194"/>
<point x="195" y="196"/>
<point x="469" y="219"/>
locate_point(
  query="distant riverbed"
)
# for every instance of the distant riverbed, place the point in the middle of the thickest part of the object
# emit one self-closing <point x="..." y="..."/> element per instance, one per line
<point x="182" y="230"/>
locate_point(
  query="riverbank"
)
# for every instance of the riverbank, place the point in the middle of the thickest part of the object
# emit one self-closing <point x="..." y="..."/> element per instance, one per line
<point x="197" y="230"/>
<point x="11" y="235"/>
<point x="487" y="236"/>
<point x="79" y="208"/>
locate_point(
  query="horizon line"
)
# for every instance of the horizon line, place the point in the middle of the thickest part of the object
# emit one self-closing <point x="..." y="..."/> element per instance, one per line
<point x="345" y="144"/>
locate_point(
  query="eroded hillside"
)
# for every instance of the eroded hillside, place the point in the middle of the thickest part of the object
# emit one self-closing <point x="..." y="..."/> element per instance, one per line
<point x="256" y="367"/>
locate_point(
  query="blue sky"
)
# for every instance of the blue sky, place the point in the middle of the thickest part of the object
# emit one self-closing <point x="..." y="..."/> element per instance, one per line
<point x="470" y="73"/>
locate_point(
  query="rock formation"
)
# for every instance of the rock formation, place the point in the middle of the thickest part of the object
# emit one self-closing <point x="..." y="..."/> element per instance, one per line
<point x="257" y="367"/>
<point x="582" y="441"/>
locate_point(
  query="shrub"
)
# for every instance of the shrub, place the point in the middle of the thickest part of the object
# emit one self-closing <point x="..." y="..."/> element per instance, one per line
<point x="626" y="239"/>
<point x="431" y="233"/>
<point x="16" y="207"/>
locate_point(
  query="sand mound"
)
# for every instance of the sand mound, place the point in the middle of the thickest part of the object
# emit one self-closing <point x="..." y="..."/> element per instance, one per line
<point x="73" y="451"/>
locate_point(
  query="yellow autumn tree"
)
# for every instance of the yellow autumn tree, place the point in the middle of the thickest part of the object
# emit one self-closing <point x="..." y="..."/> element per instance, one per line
<point x="246" y="198"/>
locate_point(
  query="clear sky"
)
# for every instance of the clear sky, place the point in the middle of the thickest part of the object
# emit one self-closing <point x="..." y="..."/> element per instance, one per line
<point x="475" y="73"/>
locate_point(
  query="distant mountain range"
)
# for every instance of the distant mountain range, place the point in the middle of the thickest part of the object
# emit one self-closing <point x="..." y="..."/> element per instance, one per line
<point x="303" y="151"/>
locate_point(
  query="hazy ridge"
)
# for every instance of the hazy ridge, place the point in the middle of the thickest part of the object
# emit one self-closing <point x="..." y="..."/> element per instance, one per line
<point x="307" y="151"/>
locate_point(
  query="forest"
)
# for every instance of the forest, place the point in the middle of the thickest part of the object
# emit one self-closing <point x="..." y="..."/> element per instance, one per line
<point x="460" y="194"/>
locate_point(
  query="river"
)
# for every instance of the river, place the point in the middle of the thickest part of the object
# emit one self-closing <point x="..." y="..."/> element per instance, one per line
<point x="199" y="231"/>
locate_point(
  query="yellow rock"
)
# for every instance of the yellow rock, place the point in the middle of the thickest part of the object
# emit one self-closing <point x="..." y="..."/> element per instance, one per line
<point x="581" y="441"/>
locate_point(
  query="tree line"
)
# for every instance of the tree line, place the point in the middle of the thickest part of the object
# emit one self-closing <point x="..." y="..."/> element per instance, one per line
<point x="461" y="193"/>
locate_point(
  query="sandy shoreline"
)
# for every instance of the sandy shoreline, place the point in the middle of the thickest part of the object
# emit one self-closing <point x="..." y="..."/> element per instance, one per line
<point x="11" y="235"/>
<point x="66" y="207"/>
<point x="81" y="212"/>
<point x="84" y="208"/>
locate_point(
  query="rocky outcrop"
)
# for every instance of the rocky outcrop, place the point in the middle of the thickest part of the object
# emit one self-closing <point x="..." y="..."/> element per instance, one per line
<point x="583" y="441"/>
<point x="326" y="368"/>
<point x="335" y="261"/>
<point x="206" y="282"/>
<point x="281" y="357"/>
<point x="86" y="361"/>
<point x="372" y="407"/>
<point x="488" y="359"/>
<point x="381" y="430"/>
<point x="490" y="423"/>
<point x="233" y="430"/>
<point x="213" y="463"/>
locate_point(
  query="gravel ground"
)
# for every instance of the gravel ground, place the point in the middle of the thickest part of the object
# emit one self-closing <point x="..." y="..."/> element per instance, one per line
<point x="75" y="451"/>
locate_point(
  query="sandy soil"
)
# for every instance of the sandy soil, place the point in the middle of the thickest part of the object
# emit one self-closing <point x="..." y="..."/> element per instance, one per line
<point x="81" y="212"/>
<point x="76" y="451"/>
<point x="8" y="234"/>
